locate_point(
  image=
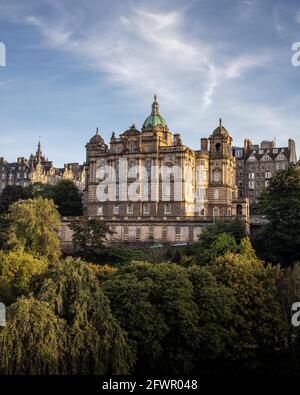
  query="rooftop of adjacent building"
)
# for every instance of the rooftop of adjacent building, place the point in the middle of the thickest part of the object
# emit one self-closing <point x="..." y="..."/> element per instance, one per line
<point x="38" y="158"/>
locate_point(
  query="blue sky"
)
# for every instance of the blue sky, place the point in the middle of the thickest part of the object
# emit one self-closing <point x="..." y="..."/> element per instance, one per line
<point x="74" y="65"/>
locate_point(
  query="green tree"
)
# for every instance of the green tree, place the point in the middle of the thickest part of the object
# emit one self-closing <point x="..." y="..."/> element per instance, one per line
<point x="279" y="241"/>
<point x="236" y="228"/>
<point x="65" y="195"/>
<point x="89" y="238"/>
<point x="38" y="189"/>
<point x="154" y="304"/>
<point x="68" y="198"/>
<point x="96" y="343"/>
<point x="212" y="247"/>
<point x="33" y="226"/>
<point x="218" y="239"/>
<point x="33" y="341"/>
<point x="260" y="323"/>
<point x="12" y="194"/>
<point x="18" y="269"/>
<point x="217" y="315"/>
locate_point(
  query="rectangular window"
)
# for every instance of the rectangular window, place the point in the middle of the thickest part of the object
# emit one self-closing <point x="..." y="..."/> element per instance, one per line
<point x="116" y="209"/>
<point x="268" y="174"/>
<point x="146" y="208"/>
<point x="177" y="232"/>
<point x="251" y="184"/>
<point x="167" y="208"/>
<point x="130" y="208"/>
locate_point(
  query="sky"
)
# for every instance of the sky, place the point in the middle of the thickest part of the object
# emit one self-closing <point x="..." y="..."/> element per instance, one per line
<point x="72" y="66"/>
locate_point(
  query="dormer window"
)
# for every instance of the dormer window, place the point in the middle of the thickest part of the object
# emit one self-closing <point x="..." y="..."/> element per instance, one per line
<point x="280" y="157"/>
<point x="266" y="158"/>
<point x="218" y="147"/>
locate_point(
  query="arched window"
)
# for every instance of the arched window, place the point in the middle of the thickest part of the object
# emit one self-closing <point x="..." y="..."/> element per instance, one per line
<point x="217" y="176"/>
<point x="218" y="147"/>
<point x="149" y="166"/>
<point x="132" y="168"/>
<point x="239" y="209"/>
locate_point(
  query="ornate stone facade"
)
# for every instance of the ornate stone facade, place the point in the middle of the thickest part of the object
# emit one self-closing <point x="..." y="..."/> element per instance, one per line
<point x="38" y="169"/>
<point x="256" y="164"/>
<point x="150" y="187"/>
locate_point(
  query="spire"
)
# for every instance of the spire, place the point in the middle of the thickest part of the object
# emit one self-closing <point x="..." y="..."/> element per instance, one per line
<point x="39" y="150"/>
<point x="97" y="131"/>
<point x="155" y="106"/>
<point x="220" y="122"/>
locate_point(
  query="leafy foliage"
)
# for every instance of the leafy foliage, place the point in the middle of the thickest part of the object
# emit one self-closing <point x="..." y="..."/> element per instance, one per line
<point x="211" y="248"/>
<point x="216" y="305"/>
<point x="154" y="304"/>
<point x="68" y="198"/>
<point x="10" y="195"/>
<point x="219" y="239"/>
<point x="260" y="322"/>
<point x="64" y="194"/>
<point x="33" y="342"/>
<point x="96" y="343"/>
<point x="33" y="226"/>
<point x="89" y="237"/>
<point x="279" y="241"/>
<point x="18" y="268"/>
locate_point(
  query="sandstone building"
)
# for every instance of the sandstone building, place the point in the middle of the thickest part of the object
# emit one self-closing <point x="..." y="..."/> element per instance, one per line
<point x="150" y="187"/>
<point x="38" y="169"/>
<point x="256" y="164"/>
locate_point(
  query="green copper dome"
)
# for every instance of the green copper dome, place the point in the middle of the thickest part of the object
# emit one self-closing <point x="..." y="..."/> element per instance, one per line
<point x="155" y="119"/>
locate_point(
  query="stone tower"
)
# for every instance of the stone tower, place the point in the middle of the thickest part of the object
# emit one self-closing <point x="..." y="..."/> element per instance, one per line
<point x="222" y="190"/>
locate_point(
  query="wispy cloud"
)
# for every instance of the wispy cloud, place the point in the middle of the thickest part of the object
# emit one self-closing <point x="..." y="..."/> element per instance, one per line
<point x="145" y="51"/>
<point x="202" y="63"/>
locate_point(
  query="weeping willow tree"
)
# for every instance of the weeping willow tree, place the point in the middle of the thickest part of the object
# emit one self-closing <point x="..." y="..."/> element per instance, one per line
<point x="33" y="341"/>
<point x="96" y="343"/>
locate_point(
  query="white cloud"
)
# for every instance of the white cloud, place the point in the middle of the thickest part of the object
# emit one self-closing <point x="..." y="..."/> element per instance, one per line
<point x="146" y="52"/>
<point x="239" y="65"/>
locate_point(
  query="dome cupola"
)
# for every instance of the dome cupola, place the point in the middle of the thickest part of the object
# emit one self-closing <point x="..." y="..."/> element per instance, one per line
<point x="155" y="119"/>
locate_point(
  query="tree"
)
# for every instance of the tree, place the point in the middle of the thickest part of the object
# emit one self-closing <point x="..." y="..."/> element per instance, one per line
<point x="279" y="240"/>
<point x="65" y="195"/>
<point x="211" y="248"/>
<point x="89" y="237"/>
<point x="38" y="189"/>
<point x="260" y="324"/>
<point x="218" y="239"/>
<point x="33" y="341"/>
<point x="10" y="195"/>
<point x="96" y="343"/>
<point x="68" y="198"/>
<point x="33" y="226"/>
<point x="236" y="228"/>
<point x="217" y="314"/>
<point x="18" y="268"/>
<point x="154" y="304"/>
